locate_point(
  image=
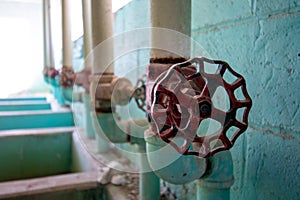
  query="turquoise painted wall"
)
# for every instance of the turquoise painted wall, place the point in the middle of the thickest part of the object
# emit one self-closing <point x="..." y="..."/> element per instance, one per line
<point x="135" y="15"/>
<point x="259" y="39"/>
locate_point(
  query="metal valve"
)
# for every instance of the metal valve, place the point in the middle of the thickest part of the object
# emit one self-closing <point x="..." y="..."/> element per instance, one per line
<point x="140" y="92"/>
<point x="182" y="98"/>
<point x="50" y="72"/>
<point x="67" y="76"/>
<point x="123" y="91"/>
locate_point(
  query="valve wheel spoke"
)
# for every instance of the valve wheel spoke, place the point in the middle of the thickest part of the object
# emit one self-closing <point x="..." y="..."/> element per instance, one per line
<point x="239" y="82"/>
<point x="182" y="99"/>
<point x="243" y="103"/>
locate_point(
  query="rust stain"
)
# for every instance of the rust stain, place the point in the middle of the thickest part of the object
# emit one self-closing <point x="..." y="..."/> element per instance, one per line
<point x="168" y="60"/>
<point x="281" y="133"/>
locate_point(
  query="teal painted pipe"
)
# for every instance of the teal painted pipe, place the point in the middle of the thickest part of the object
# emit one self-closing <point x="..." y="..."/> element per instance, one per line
<point x="57" y="92"/>
<point x="149" y="186"/>
<point x="87" y="121"/>
<point x="215" y="185"/>
<point x="54" y="81"/>
<point x="68" y="95"/>
<point x="117" y="132"/>
<point x="170" y="165"/>
<point x="212" y="194"/>
<point x="24" y="105"/>
<point x="103" y="144"/>
<point x="71" y="96"/>
<point x="108" y="129"/>
<point x="58" y="95"/>
<point x="47" y="79"/>
<point x="149" y="181"/>
<point x="212" y="183"/>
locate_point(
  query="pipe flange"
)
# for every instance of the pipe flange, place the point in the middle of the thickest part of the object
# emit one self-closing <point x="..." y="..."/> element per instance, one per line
<point x="121" y="91"/>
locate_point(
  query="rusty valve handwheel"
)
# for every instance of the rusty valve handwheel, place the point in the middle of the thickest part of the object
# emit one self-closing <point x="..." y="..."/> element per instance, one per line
<point x="50" y="72"/>
<point x="67" y="76"/>
<point x="182" y="99"/>
<point x="140" y="93"/>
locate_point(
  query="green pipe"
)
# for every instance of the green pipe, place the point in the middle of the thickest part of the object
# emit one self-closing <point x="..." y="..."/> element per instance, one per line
<point x="102" y="142"/>
<point x="87" y="121"/>
<point x="107" y="128"/>
<point x="170" y="165"/>
<point x="149" y="181"/>
<point x="149" y="186"/>
<point x="69" y="95"/>
<point x="214" y="175"/>
<point x="215" y="185"/>
<point x="84" y="97"/>
<point x="58" y="95"/>
<point x="212" y="194"/>
<point x="117" y="132"/>
<point x="57" y="92"/>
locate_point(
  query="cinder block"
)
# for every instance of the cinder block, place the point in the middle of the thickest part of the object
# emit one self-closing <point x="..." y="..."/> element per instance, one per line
<point x="269" y="6"/>
<point x="265" y="53"/>
<point x="272" y="166"/>
<point x="209" y="12"/>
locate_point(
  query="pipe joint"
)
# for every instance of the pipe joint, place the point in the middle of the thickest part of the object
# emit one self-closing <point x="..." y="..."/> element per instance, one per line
<point x="121" y="91"/>
<point x="83" y="78"/>
<point x="100" y="89"/>
<point x="220" y="173"/>
<point x="69" y="95"/>
<point x="109" y="90"/>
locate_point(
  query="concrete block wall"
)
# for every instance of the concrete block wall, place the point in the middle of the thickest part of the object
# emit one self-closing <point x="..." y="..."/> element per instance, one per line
<point x="132" y="65"/>
<point x="260" y="40"/>
<point x="135" y="15"/>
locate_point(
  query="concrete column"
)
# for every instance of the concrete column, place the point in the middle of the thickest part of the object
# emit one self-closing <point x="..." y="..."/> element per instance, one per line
<point x="102" y="29"/>
<point x="66" y="33"/>
<point x="174" y="15"/>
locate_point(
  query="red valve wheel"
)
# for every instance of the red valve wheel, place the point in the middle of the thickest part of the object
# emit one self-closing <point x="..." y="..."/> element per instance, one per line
<point x="67" y="76"/>
<point x="51" y="72"/>
<point x="182" y="98"/>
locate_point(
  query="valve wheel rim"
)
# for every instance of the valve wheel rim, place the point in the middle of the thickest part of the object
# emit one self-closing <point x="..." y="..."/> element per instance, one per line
<point x="210" y="82"/>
